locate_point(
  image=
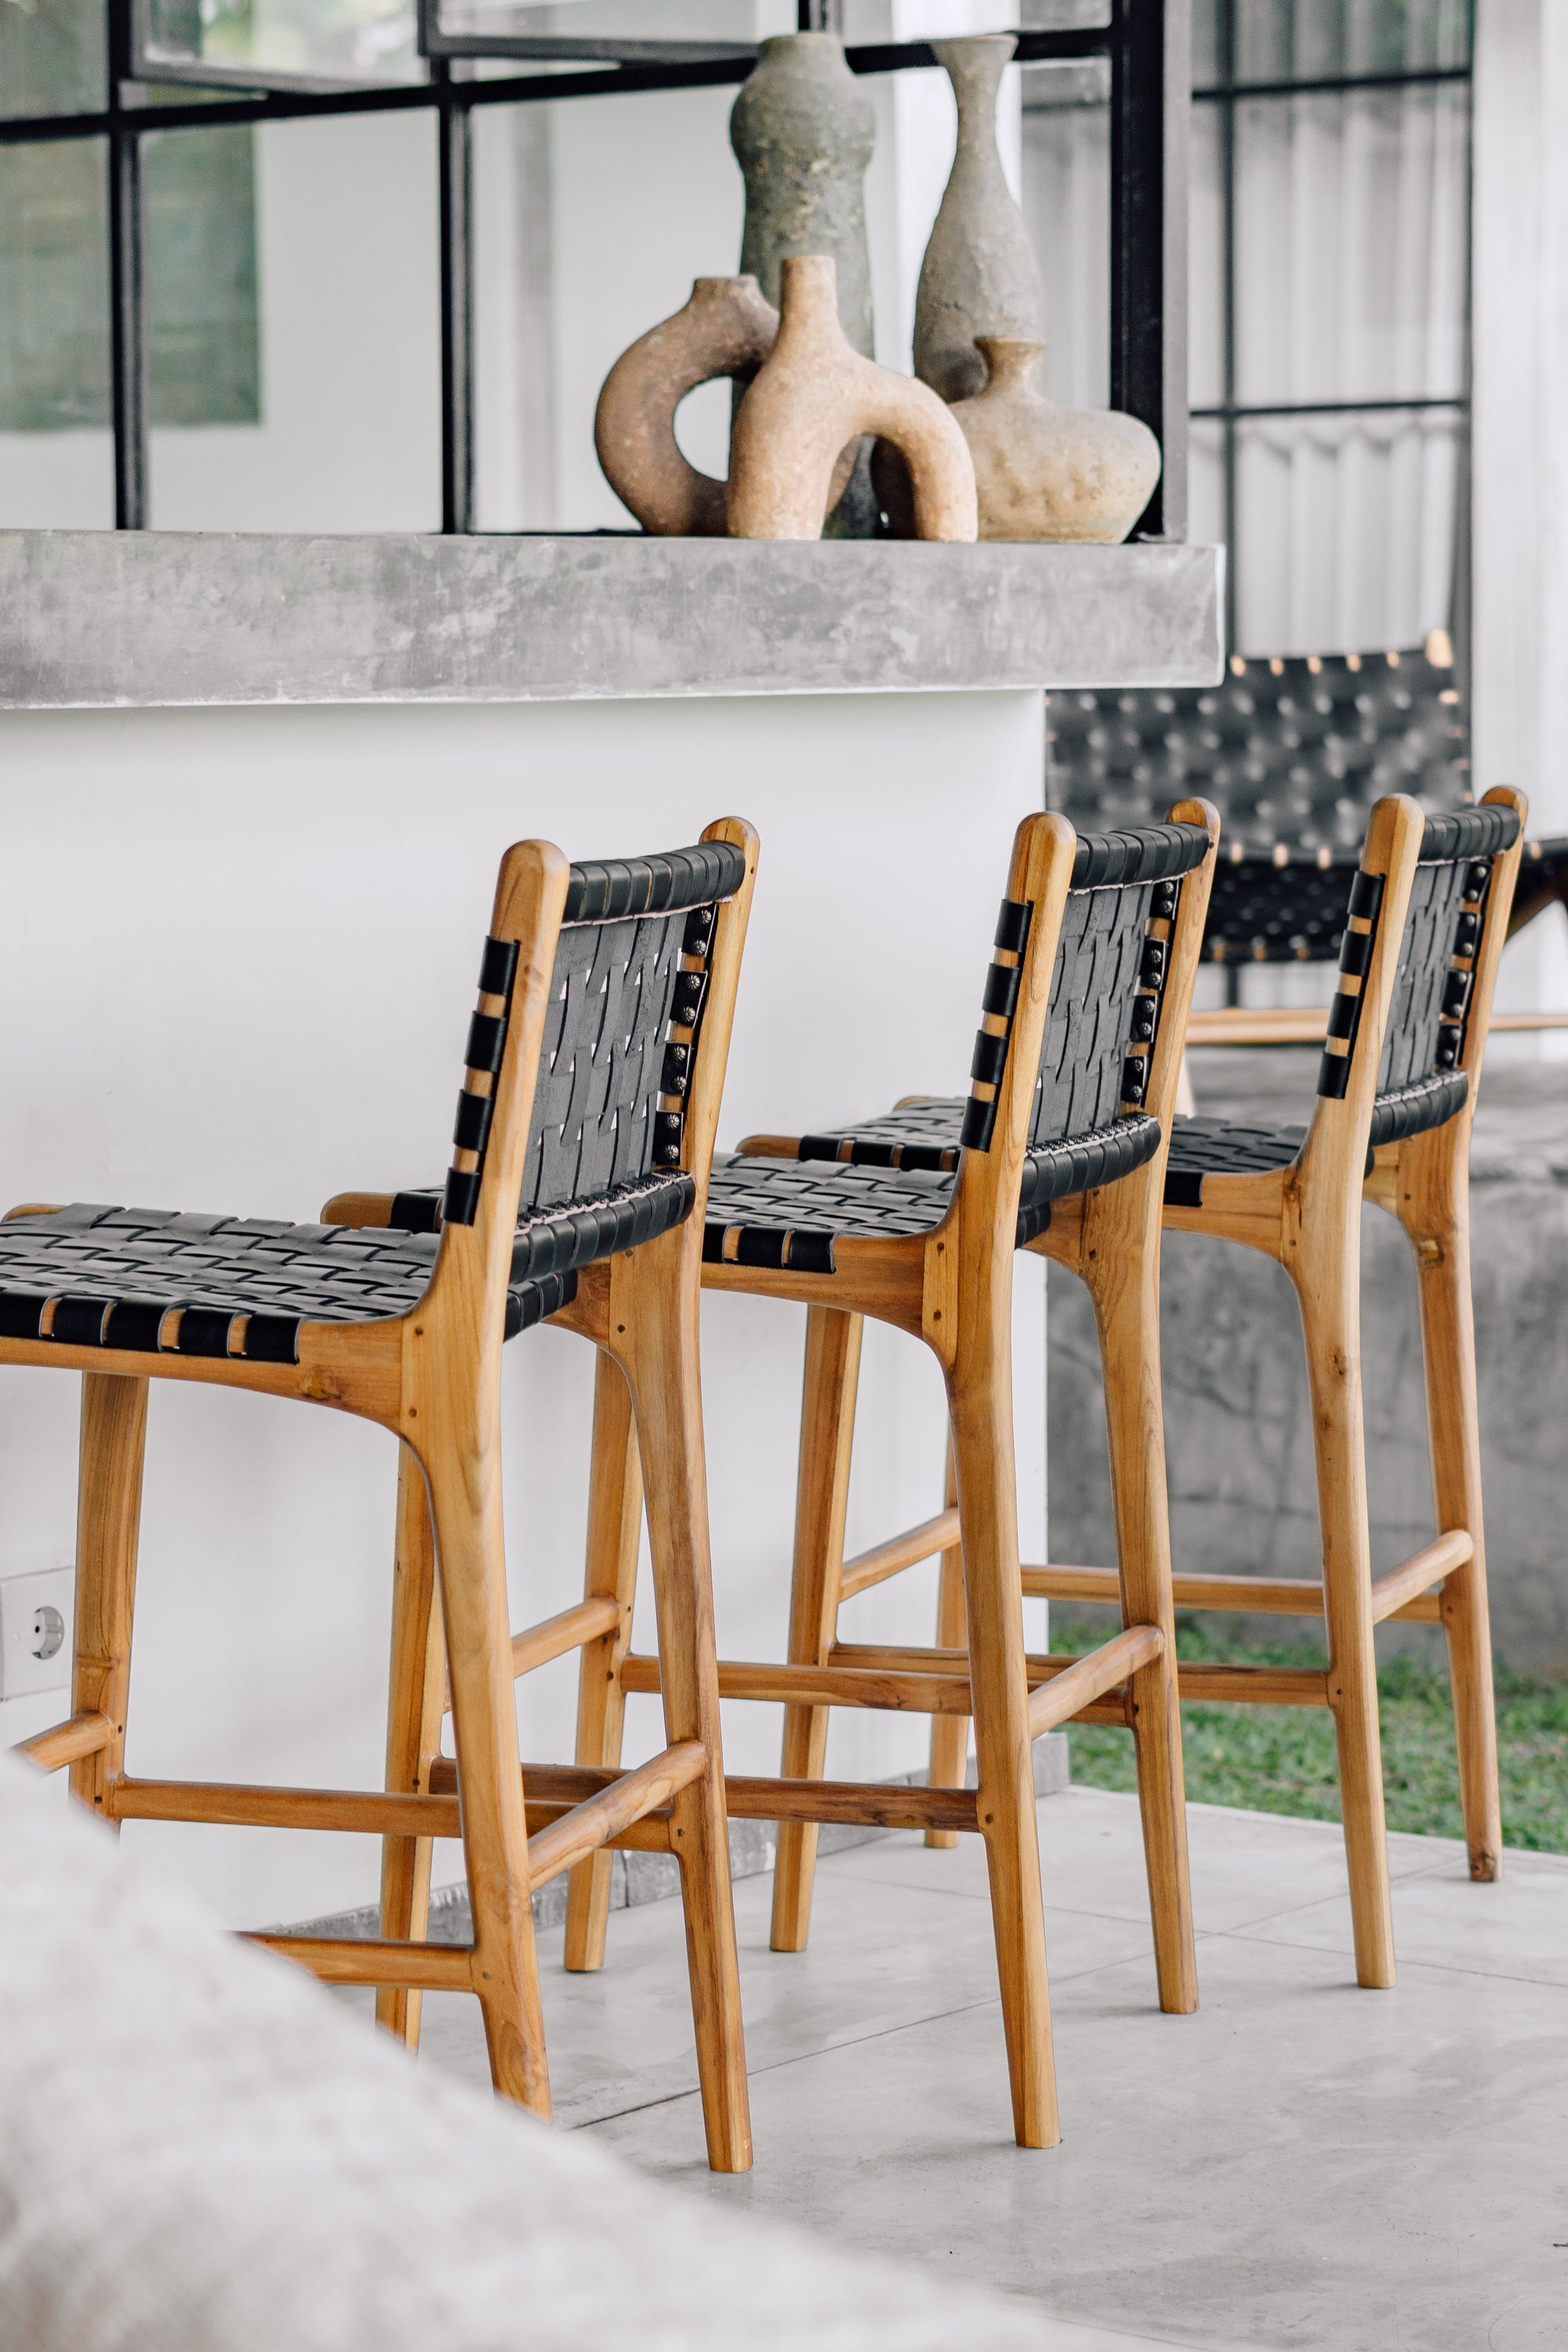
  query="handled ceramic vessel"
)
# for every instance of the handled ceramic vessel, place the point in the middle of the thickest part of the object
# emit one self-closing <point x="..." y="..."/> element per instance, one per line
<point x="813" y="398"/>
<point x="726" y="329"/>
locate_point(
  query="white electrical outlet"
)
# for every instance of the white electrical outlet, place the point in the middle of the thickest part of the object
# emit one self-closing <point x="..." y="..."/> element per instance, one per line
<point x="36" y="1632"/>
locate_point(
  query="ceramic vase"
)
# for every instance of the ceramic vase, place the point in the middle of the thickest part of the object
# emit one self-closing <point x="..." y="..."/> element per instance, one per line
<point x="727" y="329"/>
<point x="803" y="131"/>
<point x="813" y="397"/>
<point x="979" y="275"/>
<point x="1043" y="471"/>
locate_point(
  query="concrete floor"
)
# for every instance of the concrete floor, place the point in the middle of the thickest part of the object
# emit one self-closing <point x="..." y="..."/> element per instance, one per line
<point x="1299" y="2164"/>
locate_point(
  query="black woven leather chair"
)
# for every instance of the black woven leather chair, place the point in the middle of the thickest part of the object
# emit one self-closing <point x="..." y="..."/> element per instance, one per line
<point x="1060" y="1146"/>
<point x="595" y="1064"/>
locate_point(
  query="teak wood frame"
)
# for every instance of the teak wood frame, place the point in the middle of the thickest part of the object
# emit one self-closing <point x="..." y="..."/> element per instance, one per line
<point x="431" y="1377"/>
<point x="951" y="1288"/>
<point x="1308" y="1218"/>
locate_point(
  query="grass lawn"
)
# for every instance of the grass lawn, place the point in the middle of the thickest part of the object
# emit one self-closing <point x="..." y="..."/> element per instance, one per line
<point x="1281" y="1760"/>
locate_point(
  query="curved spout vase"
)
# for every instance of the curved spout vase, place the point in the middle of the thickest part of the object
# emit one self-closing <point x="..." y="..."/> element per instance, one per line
<point x="803" y="130"/>
<point x="1044" y="471"/>
<point x="813" y="397"/>
<point x="727" y="329"/>
<point x="979" y="275"/>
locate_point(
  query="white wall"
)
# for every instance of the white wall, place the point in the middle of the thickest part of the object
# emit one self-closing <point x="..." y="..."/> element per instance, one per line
<point x="1520" y="477"/>
<point x="239" y="978"/>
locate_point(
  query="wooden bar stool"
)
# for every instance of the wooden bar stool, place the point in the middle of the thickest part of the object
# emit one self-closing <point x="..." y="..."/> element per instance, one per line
<point x="915" y="1219"/>
<point x="595" y="1064"/>
<point x="1429" y="911"/>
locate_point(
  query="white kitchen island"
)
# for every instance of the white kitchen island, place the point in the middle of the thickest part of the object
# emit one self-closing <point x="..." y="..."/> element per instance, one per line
<point x="255" y="792"/>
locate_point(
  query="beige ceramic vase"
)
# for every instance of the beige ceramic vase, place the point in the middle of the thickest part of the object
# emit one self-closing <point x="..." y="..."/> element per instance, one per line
<point x="726" y="329"/>
<point x="1043" y="471"/>
<point x="811" y="401"/>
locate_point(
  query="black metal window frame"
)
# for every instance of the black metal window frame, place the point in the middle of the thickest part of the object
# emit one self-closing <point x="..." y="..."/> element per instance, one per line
<point x="1148" y="43"/>
<point x="1227" y="93"/>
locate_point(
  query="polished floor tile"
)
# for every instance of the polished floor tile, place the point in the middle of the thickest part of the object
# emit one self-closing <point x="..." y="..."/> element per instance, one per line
<point x="1301" y="2163"/>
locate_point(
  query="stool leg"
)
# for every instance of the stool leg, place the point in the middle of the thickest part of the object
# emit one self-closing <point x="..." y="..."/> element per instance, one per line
<point x="1125" y="1288"/>
<point x="109" y="1512"/>
<point x="980" y="1397"/>
<point x="412" y="1733"/>
<point x="1448" y="1352"/>
<point x="1328" y="1287"/>
<point x="615" y="1527"/>
<point x="656" y="1300"/>
<point x="463" y="1480"/>
<point x="822" y="1495"/>
<point x="949" y="1733"/>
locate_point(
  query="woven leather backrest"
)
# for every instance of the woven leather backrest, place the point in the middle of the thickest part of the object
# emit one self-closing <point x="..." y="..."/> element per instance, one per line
<point x="1432" y="987"/>
<point x="1108" y="977"/>
<point x="630" y="969"/>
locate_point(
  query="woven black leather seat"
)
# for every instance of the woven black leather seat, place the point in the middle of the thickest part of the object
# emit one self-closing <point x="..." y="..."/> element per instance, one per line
<point x="787" y="1212"/>
<point x="190" y="1284"/>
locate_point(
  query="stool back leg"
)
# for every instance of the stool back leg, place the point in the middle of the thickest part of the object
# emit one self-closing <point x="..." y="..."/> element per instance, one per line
<point x="464" y="1481"/>
<point x="653" y="1304"/>
<point x="412" y="1733"/>
<point x="108" y="1515"/>
<point x="1434" y="1213"/>
<point x="829" y="1387"/>
<point x="615" y="1531"/>
<point x="1326" y="1270"/>
<point x="979" y="1393"/>
<point x="949" y="1733"/>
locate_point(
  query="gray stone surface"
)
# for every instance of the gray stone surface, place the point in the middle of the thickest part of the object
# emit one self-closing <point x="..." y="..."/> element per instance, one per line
<point x="1299" y="2165"/>
<point x="133" y="618"/>
<point x="1237" y="1417"/>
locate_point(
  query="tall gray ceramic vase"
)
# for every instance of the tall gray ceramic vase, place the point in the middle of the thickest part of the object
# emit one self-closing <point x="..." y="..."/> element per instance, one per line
<point x="979" y="275"/>
<point x="803" y="131"/>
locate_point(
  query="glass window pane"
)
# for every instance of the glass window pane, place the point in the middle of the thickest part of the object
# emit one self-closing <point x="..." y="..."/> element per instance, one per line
<point x="568" y="274"/>
<point x="57" y="467"/>
<point x="202" y="284"/>
<point x="1345" y="536"/>
<point x="626" y="28"/>
<point x="1283" y="40"/>
<point x="53" y="58"/>
<point x="1352" y="227"/>
<point x="1206" y="50"/>
<point x="1067" y="204"/>
<point x="1205" y="483"/>
<point x="342" y="431"/>
<point x="342" y="40"/>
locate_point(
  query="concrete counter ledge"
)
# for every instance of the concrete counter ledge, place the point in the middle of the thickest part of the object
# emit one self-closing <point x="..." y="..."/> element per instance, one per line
<point x="118" y="619"/>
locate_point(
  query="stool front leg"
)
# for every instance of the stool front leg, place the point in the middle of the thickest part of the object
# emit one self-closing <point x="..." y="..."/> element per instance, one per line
<point x="980" y="1396"/>
<point x="615" y="1529"/>
<point x="1327" y="1275"/>
<point x="1123" y="1282"/>
<point x="462" y="1468"/>
<point x="108" y="1515"/>
<point x="414" y="1693"/>
<point x="654" y="1294"/>
<point x="828" y="1390"/>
